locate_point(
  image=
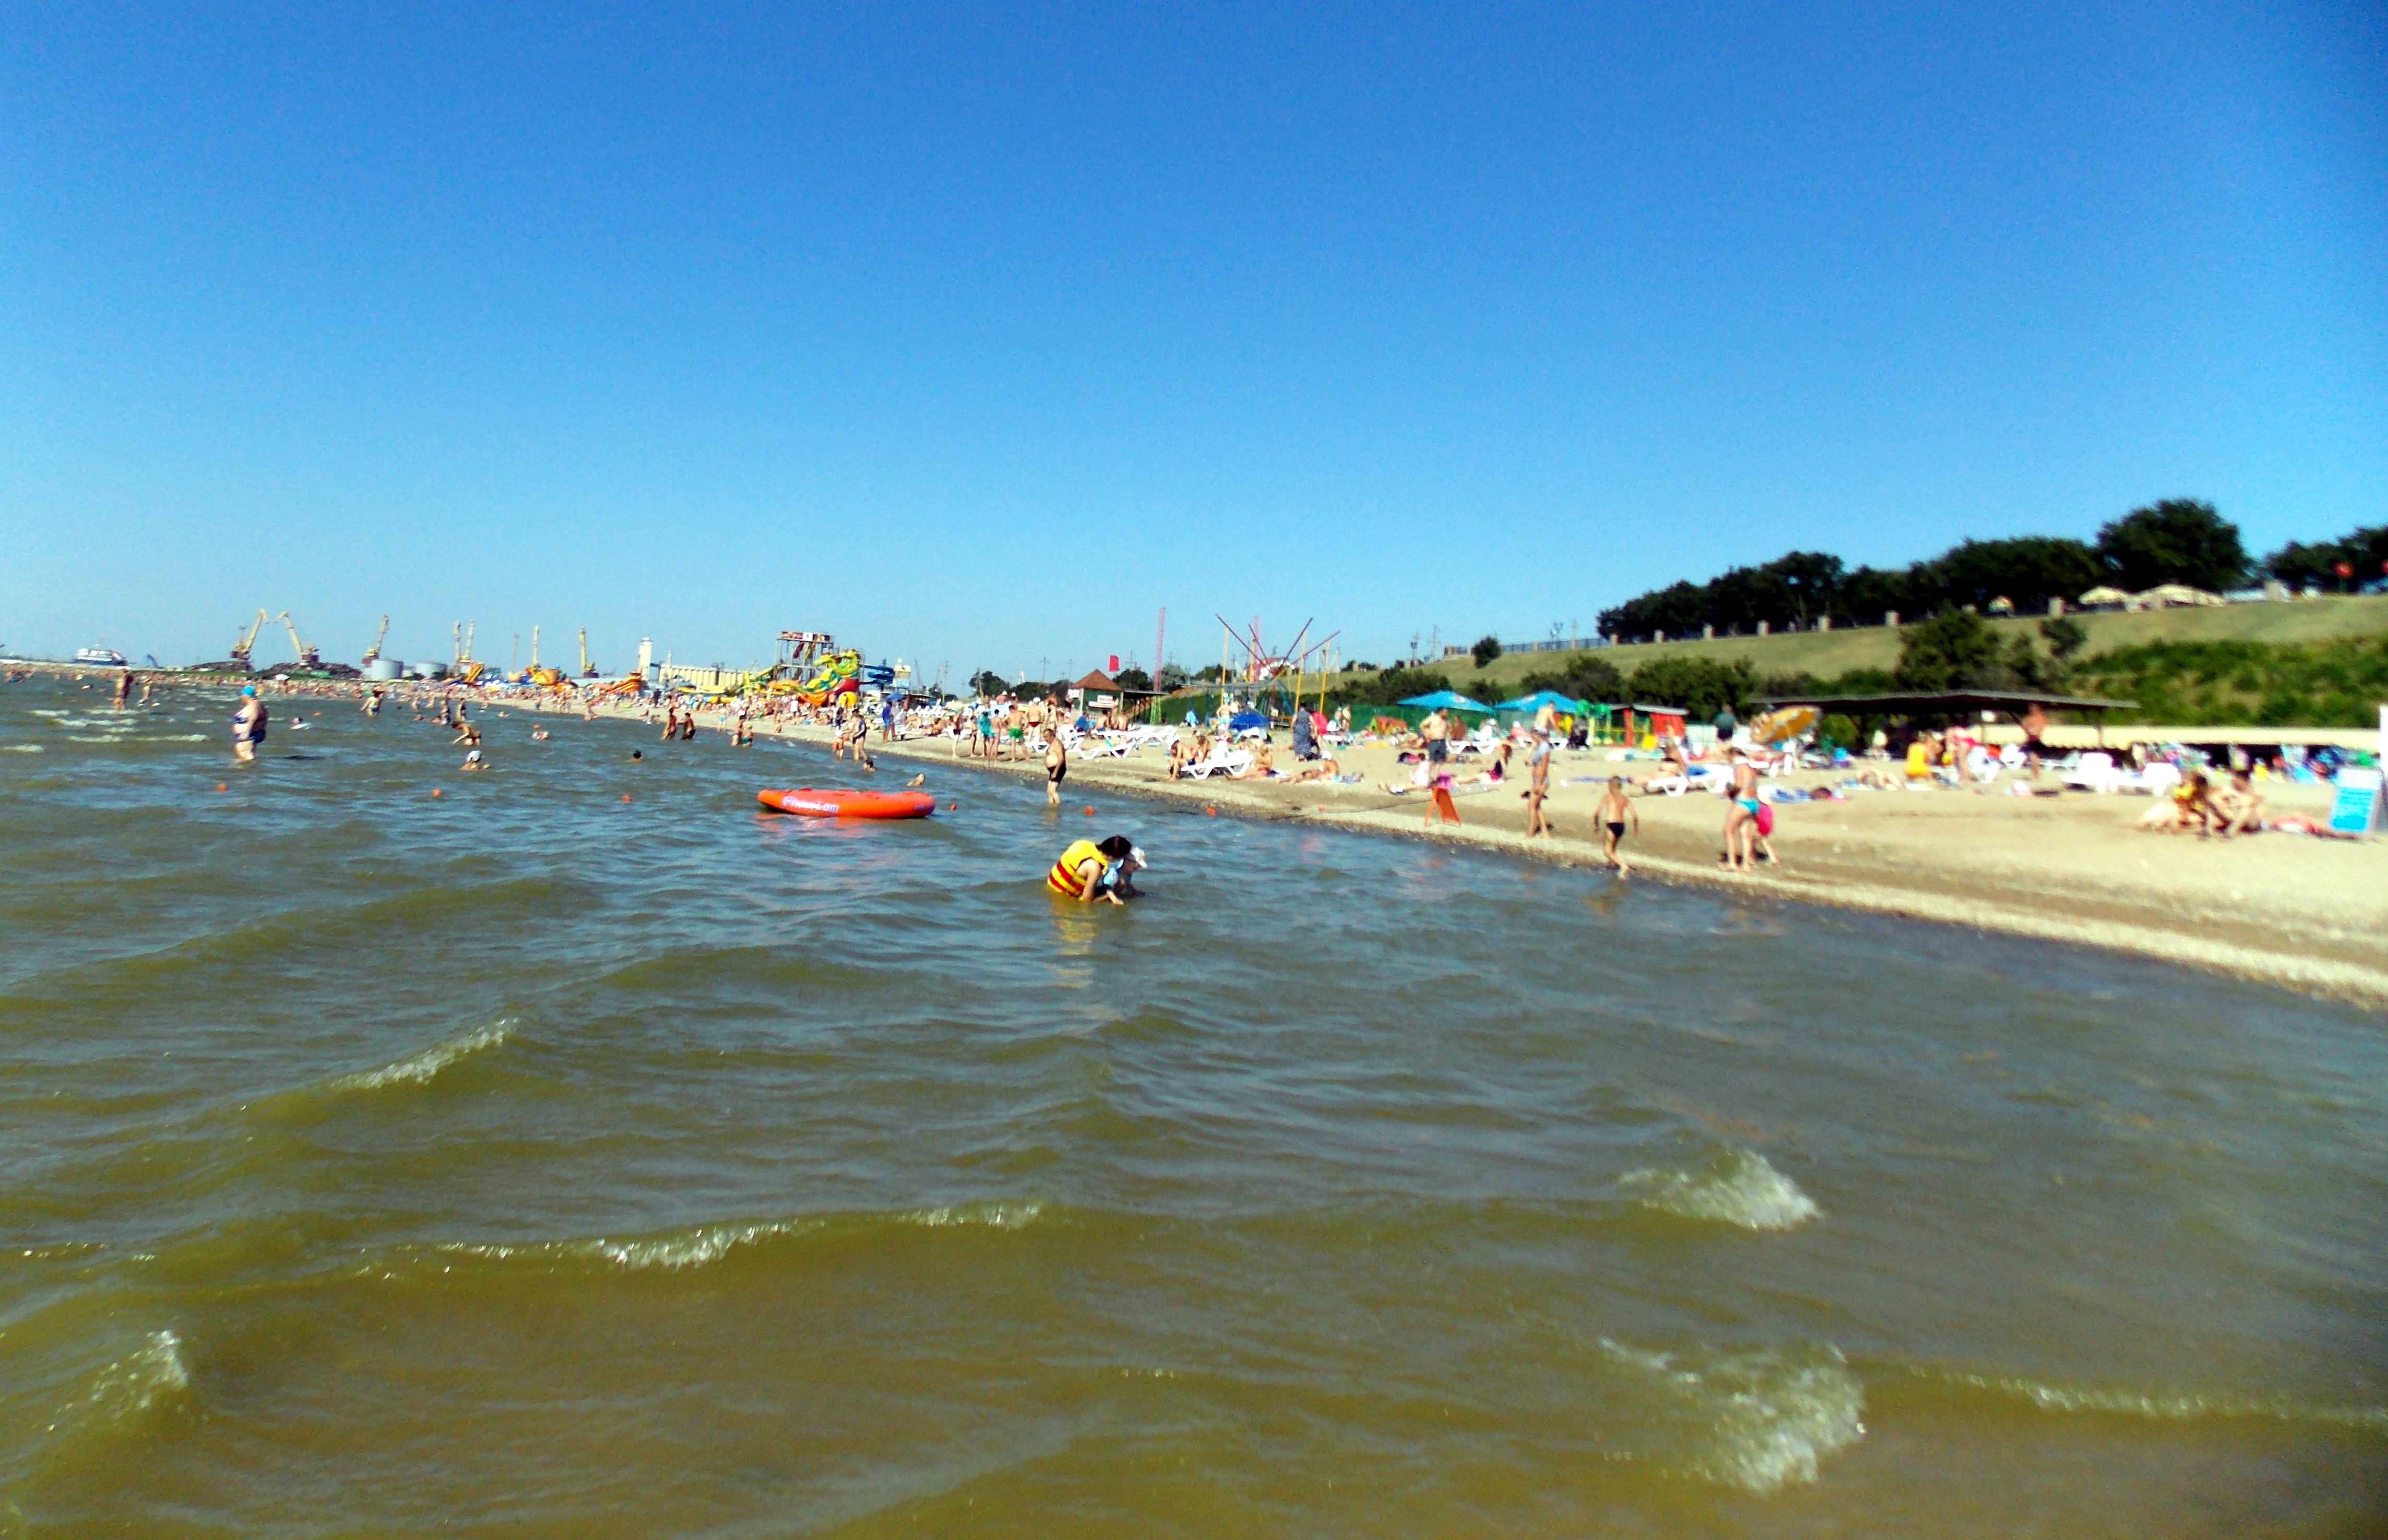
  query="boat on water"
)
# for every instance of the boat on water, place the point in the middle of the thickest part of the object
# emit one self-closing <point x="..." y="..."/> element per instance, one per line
<point x="102" y="657"/>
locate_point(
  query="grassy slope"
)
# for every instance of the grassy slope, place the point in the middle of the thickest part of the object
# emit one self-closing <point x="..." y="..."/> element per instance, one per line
<point x="1827" y="654"/>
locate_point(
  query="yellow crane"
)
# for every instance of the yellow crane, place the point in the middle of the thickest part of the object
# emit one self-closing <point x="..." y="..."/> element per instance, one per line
<point x="240" y="648"/>
<point x="307" y="656"/>
<point x="374" y="651"/>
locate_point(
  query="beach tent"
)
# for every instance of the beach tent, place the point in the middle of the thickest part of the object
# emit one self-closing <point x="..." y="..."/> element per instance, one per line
<point x="1447" y="701"/>
<point x="2165" y="596"/>
<point x="2106" y="599"/>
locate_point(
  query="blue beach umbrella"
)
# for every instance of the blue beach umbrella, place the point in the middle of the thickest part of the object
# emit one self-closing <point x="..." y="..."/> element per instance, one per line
<point x="1446" y="700"/>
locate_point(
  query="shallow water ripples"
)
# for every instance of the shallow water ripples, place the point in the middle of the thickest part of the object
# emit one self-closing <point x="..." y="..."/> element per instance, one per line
<point x="526" y="1160"/>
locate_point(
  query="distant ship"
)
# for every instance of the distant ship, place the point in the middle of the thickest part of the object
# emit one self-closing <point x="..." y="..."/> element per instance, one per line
<point x="101" y="657"/>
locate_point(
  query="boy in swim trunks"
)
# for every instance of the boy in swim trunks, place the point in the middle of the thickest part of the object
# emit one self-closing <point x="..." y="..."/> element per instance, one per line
<point x="1616" y="812"/>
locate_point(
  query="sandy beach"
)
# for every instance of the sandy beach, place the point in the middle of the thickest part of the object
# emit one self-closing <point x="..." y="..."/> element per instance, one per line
<point x="2309" y="915"/>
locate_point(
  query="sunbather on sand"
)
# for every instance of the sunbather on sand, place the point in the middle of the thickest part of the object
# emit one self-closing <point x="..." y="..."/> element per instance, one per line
<point x="2240" y="807"/>
<point x="1258" y="770"/>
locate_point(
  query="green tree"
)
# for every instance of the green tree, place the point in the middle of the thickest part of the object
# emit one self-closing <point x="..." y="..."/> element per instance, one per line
<point x="986" y="681"/>
<point x="2064" y="637"/>
<point x="2178" y="540"/>
<point x="1485" y="651"/>
<point x="1133" y="678"/>
<point x="1955" y="650"/>
<point x="2027" y="570"/>
<point x="1698" y="685"/>
<point x="1582" y="679"/>
<point x="1394" y="684"/>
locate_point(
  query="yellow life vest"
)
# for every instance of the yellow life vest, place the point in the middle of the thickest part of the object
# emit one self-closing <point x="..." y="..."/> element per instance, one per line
<point x="1065" y="879"/>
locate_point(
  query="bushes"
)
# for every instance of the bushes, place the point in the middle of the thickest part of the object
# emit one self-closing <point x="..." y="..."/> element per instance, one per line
<point x="1583" y="679"/>
<point x="2336" y="684"/>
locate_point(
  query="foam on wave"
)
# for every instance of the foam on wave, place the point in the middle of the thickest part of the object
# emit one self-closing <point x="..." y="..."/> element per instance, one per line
<point x="1757" y="1420"/>
<point x="701" y="1244"/>
<point x="421" y="1068"/>
<point x="153" y="1372"/>
<point x="1738" y="1188"/>
<point x="2169" y="1408"/>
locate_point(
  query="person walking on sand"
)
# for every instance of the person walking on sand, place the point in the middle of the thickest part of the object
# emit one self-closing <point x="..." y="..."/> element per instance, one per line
<point x="248" y="725"/>
<point x="1538" y="786"/>
<point x="1616" y="812"/>
<point x="1741" y="820"/>
<point x="1057" y="766"/>
<point x="1435" y="732"/>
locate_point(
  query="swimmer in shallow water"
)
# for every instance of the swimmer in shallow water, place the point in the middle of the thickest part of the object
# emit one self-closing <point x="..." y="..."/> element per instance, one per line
<point x="1085" y="871"/>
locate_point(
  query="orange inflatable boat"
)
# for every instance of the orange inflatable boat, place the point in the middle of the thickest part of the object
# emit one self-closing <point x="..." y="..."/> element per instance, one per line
<point x="849" y="804"/>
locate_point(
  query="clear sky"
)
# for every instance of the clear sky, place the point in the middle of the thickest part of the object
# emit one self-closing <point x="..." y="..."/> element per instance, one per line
<point x="976" y="334"/>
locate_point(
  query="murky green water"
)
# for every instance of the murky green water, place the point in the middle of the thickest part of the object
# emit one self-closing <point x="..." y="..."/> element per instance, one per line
<point x="527" y="1161"/>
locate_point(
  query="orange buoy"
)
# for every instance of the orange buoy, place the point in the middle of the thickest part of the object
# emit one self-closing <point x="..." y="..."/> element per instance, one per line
<point x="435" y="791"/>
<point x="220" y="786"/>
<point x="1091" y="813"/>
<point x="626" y="796"/>
<point x="1211" y="811"/>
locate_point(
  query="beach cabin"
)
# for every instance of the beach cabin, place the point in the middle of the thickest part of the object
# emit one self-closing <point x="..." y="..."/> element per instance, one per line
<point x="1098" y="692"/>
<point x="1646" y="724"/>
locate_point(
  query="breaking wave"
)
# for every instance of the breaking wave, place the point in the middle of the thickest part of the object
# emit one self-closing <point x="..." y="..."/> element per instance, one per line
<point x="134" y="1384"/>
<point x="421" y="1068"/>
<point x="1736" y="1188"/>
<point x="1757" y="1420"/>
<point x="23" y="749"/>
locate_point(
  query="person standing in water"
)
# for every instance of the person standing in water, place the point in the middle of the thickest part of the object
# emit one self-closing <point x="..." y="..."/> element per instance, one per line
<point x="1057" y="764"/>
<point x="248" y="725"/>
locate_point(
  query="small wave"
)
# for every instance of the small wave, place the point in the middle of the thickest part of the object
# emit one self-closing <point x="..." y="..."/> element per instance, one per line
<point x="1758" y="1421"/>
<point x="1738" y="1188"/>
<point x="686" y="1248"/>
<point x="430" y="1062"/>
<point x="24" y="748"/>
<point x="141" y="1378"/>
<point x="997" y="1215"/>
<point x="703" y="1244"/>
<point x="2170" y="1408"/>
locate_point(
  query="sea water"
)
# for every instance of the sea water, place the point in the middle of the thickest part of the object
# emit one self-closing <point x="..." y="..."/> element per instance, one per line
<point x="526" y="1160"/>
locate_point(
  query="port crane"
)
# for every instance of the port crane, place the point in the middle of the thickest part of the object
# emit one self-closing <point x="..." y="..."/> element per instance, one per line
<point x="307" y="655"/>
<point x="374" y="651"/>
<point x="240" y="648"/>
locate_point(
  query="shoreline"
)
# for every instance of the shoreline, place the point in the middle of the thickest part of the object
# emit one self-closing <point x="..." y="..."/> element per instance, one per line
<point x="2299" y="914"/>
<point x="2350" y="967"/>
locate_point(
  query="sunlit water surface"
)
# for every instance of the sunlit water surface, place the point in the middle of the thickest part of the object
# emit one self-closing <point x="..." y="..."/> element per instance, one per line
<point x="528" y="1161"/>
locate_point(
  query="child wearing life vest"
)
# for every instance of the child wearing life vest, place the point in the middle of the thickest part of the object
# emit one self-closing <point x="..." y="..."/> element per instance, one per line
<point x="1085" y="872"/>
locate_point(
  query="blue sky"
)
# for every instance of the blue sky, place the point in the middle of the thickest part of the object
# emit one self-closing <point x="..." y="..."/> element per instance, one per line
<point x="975" y="335"/>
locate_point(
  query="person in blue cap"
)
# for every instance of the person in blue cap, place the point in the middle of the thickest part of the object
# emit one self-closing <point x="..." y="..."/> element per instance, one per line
<point x="248" y="725"/>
